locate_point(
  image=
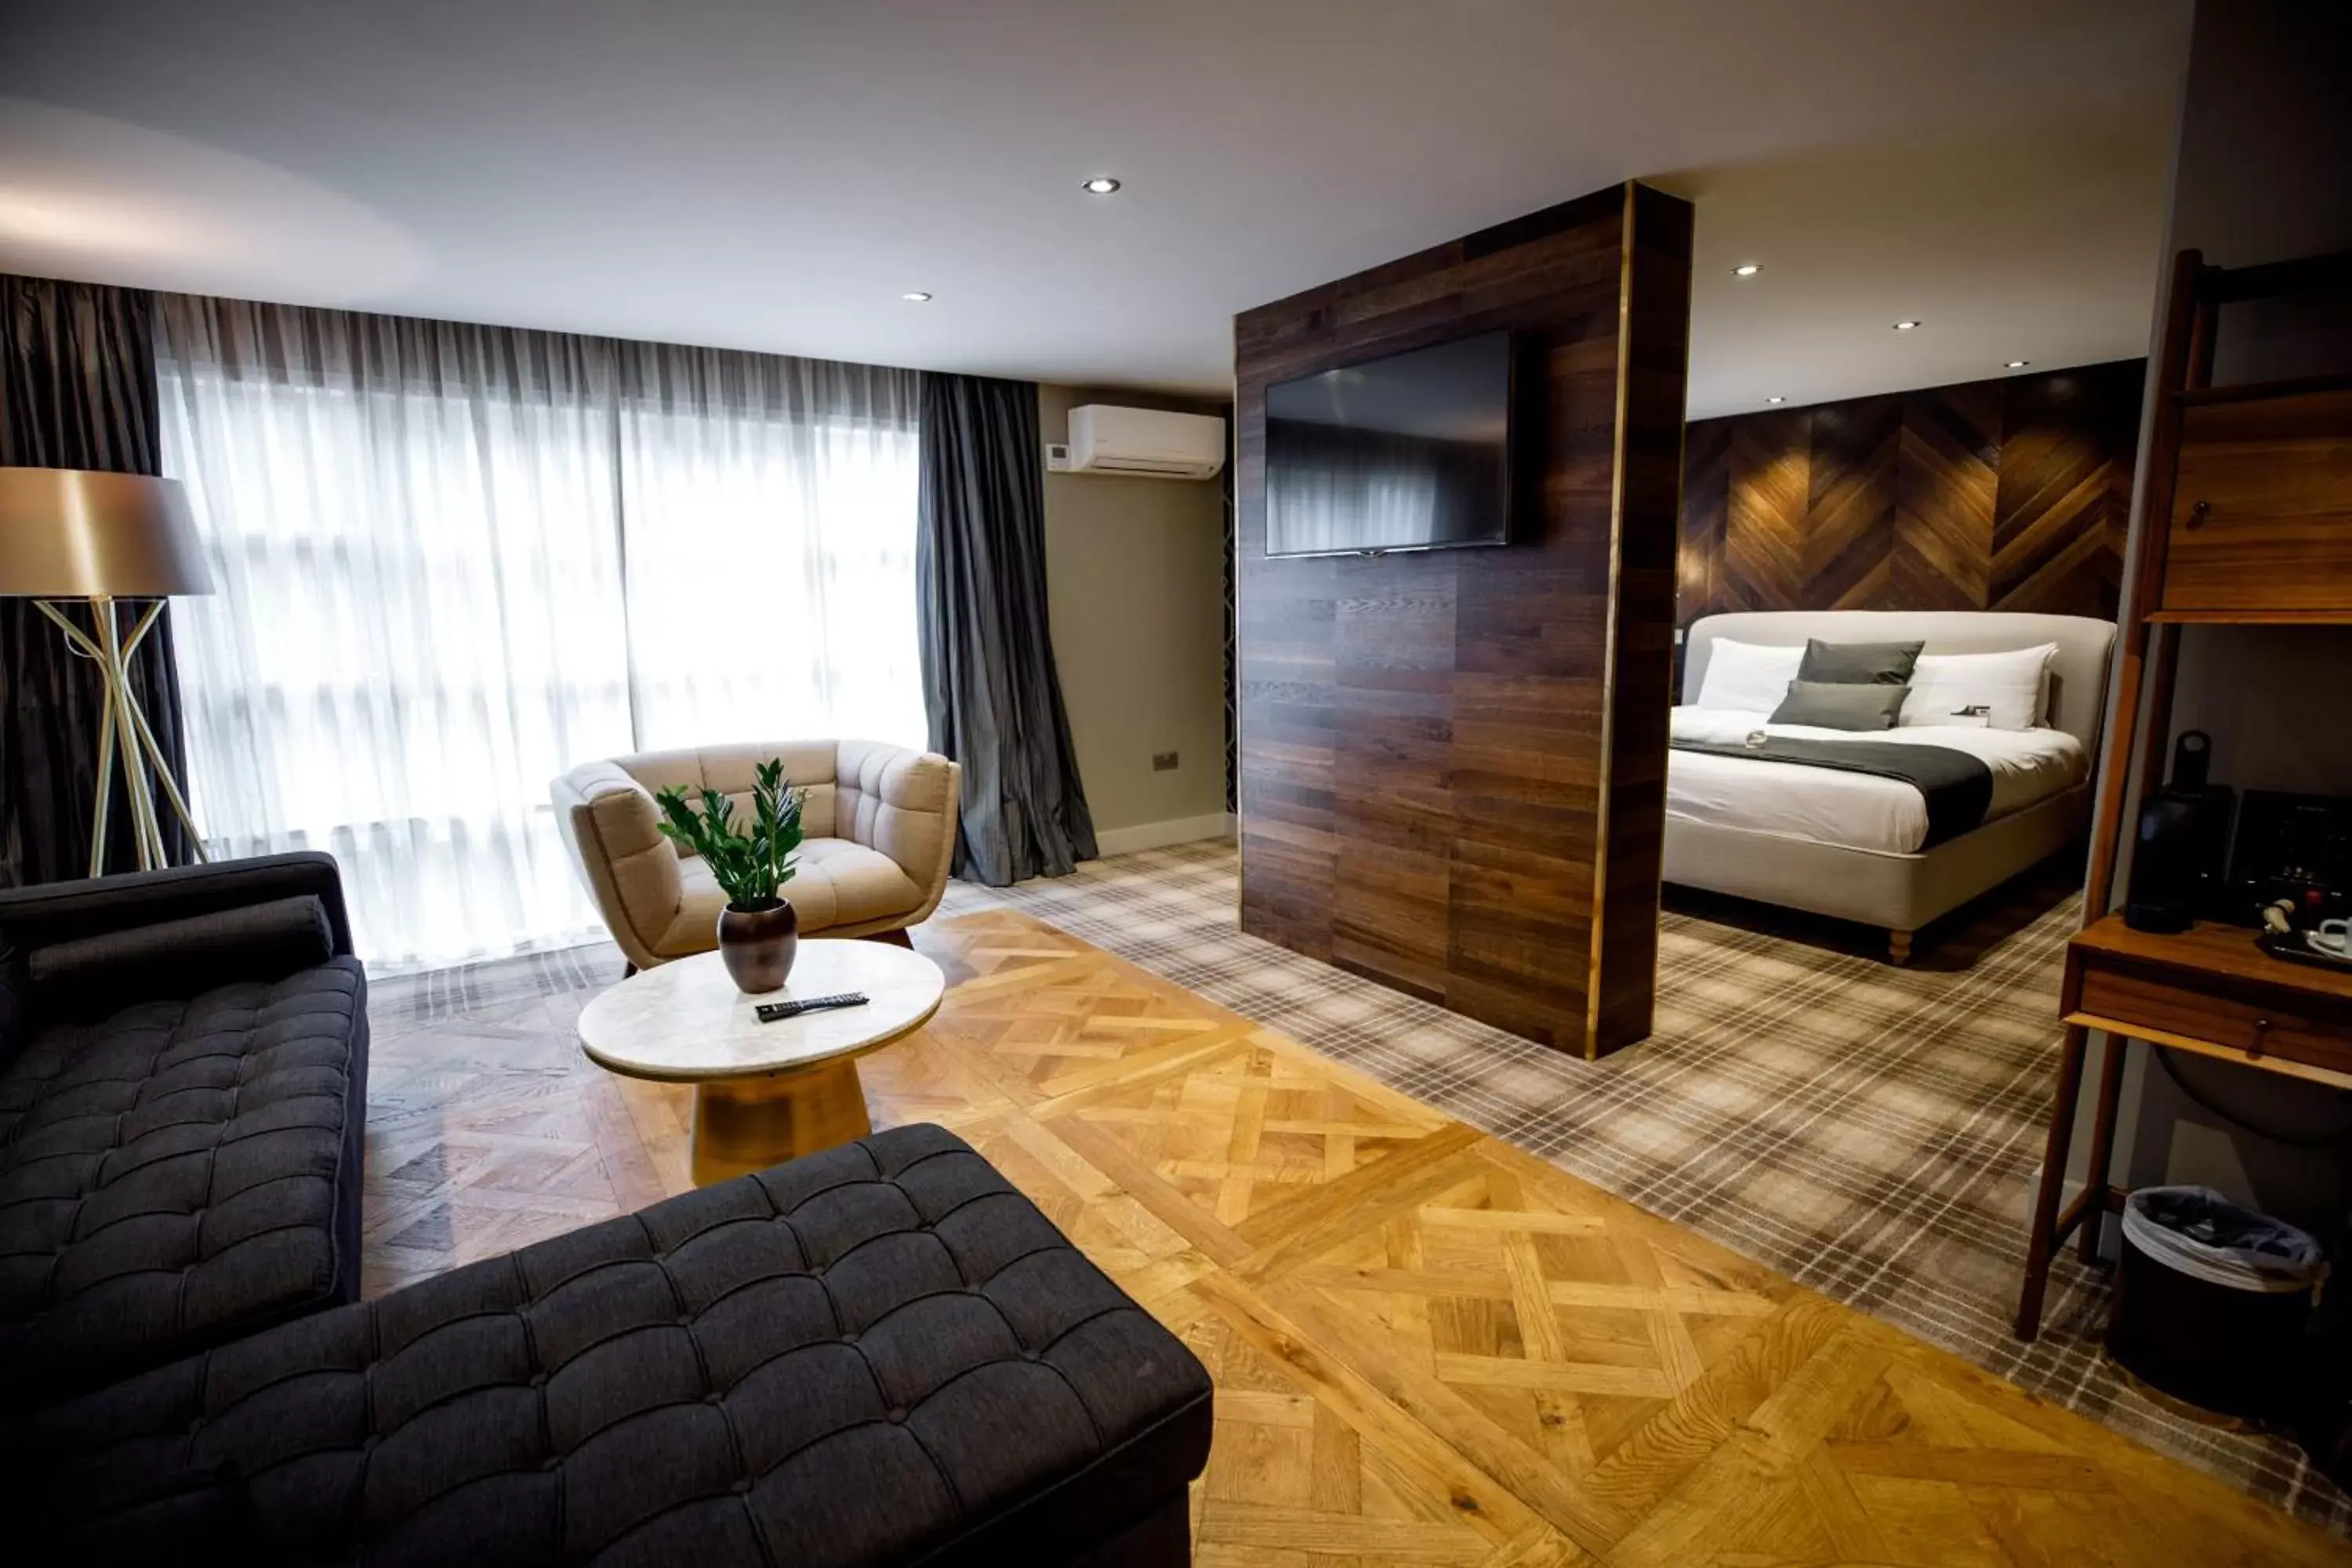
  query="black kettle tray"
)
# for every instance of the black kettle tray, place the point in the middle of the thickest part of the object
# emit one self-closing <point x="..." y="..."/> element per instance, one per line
<point x="2290" y="947"/>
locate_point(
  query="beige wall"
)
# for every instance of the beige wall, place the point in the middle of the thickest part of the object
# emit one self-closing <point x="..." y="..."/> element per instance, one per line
<point x="1135" y="577"/>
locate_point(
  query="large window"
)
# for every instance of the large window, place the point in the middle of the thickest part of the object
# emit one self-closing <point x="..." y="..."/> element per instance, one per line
<point x="455" y="561"/>
<point x="770" y="547"/>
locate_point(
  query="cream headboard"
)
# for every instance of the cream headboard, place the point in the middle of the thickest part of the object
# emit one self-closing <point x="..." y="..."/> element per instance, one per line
<point x="2078" y="693"/>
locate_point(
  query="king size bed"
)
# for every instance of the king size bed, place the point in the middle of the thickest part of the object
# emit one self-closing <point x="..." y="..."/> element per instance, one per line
<point x="1890" y="821"/>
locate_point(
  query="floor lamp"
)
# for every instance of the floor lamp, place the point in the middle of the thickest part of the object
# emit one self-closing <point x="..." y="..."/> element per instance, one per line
<point x="70" y="536"/>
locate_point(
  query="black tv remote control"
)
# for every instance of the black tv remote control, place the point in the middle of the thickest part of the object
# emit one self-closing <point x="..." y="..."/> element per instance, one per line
<point x="774" y="1012"/>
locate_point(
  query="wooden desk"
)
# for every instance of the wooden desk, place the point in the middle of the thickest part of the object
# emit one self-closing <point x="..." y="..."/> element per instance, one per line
<point x="2208" y="990"/>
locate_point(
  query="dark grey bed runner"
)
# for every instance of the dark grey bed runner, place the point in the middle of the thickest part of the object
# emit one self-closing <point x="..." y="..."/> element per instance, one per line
<point x="1956" y="786"/>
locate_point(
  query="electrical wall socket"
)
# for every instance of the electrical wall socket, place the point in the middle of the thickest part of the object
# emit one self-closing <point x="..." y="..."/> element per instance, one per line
<point x="1163" y="761"/>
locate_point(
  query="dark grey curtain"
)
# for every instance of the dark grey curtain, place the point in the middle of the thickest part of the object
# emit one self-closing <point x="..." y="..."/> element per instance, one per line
<point x="989" y="682"/>
<point x="77" y="391"/>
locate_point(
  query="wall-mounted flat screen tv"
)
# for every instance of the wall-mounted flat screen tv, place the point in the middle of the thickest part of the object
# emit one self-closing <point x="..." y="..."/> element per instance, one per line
<point x="1411" y="452"/>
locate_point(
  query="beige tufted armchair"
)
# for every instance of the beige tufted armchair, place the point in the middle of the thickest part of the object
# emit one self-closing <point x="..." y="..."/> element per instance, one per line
<point x="880" y="824"/>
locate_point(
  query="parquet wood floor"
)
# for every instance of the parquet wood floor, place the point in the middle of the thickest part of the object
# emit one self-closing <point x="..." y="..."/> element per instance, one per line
<point x="1429" y="1346"/>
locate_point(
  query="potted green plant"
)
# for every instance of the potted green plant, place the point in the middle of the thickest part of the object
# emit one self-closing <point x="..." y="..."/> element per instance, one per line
<point x="759" y="934"/>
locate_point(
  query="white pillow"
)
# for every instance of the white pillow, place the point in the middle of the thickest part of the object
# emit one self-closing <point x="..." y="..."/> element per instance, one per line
<point x="2010" y="684"/>
<point x="1747" y="677"/>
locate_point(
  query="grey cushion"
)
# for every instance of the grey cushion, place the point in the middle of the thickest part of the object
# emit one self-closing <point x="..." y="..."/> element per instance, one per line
<point x="881" y="1353"/>
<point x="1840" y="706"/>
<point x="1859" y="663"/>
<point x="61" y="912"/>
<point x="94" y="975"/>
<point x="176" y="1175"/>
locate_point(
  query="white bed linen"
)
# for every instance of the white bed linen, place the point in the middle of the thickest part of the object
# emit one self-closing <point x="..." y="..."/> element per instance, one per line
<point x="1858" y="810"/>
<point x="1741" y="675"/>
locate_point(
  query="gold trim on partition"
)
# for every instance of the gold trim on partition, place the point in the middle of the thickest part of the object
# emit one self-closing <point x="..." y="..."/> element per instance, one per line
<point x="1609" y="632"/>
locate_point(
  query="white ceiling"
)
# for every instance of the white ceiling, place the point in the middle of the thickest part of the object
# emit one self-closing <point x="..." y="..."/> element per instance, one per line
<point x="766" y="174"/>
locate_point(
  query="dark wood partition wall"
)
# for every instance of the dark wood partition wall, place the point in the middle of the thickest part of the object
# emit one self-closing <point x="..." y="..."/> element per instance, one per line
<point x="1649" y="469"/>
<point x="1992" y="495"/>
<point x="1452" y="769"/>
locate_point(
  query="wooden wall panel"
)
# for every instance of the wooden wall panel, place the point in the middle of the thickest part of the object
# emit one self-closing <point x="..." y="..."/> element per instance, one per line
<point x="1943" y="526"/>
<point x="1706" y="503"/>
<point x="2008" y="494"/>
<point x="1764" y="533"/>
<point x="1849" y="519"/>
<point x="2065" y="490"/>
<point x="1453" y="764"/>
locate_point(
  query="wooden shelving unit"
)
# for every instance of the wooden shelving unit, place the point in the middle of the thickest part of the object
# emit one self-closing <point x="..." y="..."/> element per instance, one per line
<point x="2248" y="523"/>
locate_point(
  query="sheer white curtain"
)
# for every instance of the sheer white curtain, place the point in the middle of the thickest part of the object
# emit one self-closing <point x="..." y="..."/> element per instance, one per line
<point x="418" y="614"/>
<point x="449" y="557"/>
<point x="768" y="510"/>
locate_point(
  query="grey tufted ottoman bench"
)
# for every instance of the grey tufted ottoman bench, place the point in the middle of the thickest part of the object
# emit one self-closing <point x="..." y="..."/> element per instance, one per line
<point x="880" y="1353"/>
<point x="183" y="1093"/>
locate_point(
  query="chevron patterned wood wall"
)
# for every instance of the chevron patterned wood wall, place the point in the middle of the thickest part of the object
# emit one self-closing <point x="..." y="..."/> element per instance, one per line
<point x="1992" y="495"/>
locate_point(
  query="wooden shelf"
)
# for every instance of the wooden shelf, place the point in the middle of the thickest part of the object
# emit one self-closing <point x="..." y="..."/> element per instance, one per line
<point x="2210" y="990"/>
<point x="2260" y="507"/>
<point x="2269" y="280"/>
<point x="2247" y="498"/>
<point x="2330" y="1078"/>
<point x="2225" y="955"/>
<point x="2250" y="618"/>
<point x="2259" y="391"/>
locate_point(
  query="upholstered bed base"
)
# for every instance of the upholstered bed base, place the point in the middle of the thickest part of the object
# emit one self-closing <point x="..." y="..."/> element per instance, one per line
<point x="1900" y="892"/>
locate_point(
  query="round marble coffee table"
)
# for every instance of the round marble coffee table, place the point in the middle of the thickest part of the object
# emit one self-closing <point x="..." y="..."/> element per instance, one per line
<point x="762" y="1092"/>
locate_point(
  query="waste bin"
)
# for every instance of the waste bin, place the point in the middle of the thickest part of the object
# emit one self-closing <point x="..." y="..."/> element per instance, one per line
<point x="2210" y="1299"/>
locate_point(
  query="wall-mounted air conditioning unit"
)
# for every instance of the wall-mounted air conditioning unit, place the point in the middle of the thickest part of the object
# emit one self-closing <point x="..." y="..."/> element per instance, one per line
<point x="1145" y="443"/>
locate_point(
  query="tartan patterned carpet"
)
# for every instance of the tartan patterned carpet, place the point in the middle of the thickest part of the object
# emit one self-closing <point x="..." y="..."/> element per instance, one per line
<point x="1869" y="1131"/>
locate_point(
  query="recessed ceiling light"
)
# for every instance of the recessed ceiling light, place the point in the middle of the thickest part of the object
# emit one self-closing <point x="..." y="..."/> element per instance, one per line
<point x="1101" y="185"/>
<point x="1905" y="326"/>
<point x="1746" y="270"/>
<point x="1776" y="400"/>
<point x="2019" y="364"/>
<point x="915" y="297"/>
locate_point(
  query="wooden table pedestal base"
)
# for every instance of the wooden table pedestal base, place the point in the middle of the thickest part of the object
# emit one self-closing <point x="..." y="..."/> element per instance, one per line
<point x="746" y="1124"/>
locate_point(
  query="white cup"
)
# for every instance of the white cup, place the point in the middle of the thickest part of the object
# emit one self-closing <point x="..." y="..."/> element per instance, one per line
<point x="2332" y="936"/>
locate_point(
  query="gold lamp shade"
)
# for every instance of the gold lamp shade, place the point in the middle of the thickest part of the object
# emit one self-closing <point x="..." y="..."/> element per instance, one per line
<point x="71" y="533"/>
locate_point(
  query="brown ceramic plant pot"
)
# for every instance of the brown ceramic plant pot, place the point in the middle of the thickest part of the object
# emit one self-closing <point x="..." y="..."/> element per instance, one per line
<point x="758" y="945"/>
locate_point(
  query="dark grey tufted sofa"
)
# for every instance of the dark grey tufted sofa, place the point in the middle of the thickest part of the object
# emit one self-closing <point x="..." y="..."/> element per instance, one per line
<point x="183" y="1089"/>
<point x="878" y="1355"/>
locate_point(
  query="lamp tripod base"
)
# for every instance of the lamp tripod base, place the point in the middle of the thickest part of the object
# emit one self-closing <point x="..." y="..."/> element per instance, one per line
<point x="124" y="737"/>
